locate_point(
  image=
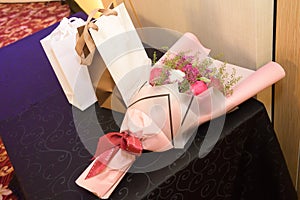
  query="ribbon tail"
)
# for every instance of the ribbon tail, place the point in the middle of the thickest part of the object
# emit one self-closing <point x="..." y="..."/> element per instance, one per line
<point x="97" y="168"/>
<point x="101" y="162"/>
<point x="108" y="146"/>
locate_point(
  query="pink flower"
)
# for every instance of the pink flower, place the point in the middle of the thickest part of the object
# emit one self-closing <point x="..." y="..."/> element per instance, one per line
<point x="158" y="76"/>
<point x="198" y="87"/>
<point x="191" y="73"/>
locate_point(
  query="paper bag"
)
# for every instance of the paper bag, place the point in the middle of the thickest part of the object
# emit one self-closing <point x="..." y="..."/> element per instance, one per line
<point x="73" y="77"/>
<point x="107" y="96"/>
<point x="122" y="51"/>
<point x="85" y="46"/>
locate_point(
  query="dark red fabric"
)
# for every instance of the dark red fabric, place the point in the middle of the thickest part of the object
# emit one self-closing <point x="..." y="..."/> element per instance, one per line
<point x="19" y="20"/>
<point x="6" y="173"/>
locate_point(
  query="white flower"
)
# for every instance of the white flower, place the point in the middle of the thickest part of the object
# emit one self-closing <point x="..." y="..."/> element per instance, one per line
<point x="176" y="75"/>
<point x="4" y="191"/>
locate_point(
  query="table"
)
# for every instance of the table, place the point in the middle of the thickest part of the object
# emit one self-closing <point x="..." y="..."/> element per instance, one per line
<point x="49" y="146"/>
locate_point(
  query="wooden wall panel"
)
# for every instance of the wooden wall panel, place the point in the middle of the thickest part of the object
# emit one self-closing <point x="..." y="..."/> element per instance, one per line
<point x="240" y="30"/>
<point x="287" y="91"/>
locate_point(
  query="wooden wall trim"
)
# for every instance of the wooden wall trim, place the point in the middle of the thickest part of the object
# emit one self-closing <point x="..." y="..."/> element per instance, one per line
<point x="287" y="91"/>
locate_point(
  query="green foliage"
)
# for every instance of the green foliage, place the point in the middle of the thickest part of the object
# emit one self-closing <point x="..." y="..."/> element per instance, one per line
<point x="177" y="61"/>
<point x="184" y="86"/>
<point x="154" y="58"/>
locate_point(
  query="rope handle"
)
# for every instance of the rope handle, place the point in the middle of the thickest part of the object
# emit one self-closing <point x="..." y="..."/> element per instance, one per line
<point x="85" y="46"/>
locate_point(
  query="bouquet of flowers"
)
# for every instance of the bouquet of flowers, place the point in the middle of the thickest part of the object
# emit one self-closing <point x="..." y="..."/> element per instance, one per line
<point x="163" y="112"/>
<point x="193" y="76"/>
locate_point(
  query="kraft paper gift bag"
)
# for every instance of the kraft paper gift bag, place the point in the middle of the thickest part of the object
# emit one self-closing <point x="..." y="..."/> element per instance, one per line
<point x="107" y="93"/>
<point x="73" y="77"/>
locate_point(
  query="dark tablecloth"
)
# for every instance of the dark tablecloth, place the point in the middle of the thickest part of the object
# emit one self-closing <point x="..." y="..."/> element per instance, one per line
<point x="26" y="76"/>
<point x="50" y="143"/>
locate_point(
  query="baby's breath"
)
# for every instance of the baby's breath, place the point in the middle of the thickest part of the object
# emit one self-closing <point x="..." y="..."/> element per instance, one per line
<point x="227" y="80"/>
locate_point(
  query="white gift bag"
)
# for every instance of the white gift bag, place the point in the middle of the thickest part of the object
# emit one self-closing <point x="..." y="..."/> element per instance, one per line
<point x="122" y="51"/>
<point x="73" y="77"/>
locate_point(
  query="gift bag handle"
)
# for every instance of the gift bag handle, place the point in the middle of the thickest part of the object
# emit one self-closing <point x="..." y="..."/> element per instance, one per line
<point x="85" y="46"/>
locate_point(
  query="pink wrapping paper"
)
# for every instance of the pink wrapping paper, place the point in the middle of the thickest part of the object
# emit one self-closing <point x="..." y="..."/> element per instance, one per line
<point x="153" y="131"/>
<point x="252" y="82"/>
<point x="159" y="117"/>
<point x="264" y="77"/>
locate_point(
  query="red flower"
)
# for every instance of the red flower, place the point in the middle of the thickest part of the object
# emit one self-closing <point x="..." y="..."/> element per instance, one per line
<point x="198" y="87"/>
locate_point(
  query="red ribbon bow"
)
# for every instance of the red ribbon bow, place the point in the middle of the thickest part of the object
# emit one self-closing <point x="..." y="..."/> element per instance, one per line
<point x="109" y="144"/>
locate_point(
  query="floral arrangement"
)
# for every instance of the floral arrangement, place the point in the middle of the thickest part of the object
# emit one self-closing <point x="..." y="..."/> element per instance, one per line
<point x="192" y="74"/>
